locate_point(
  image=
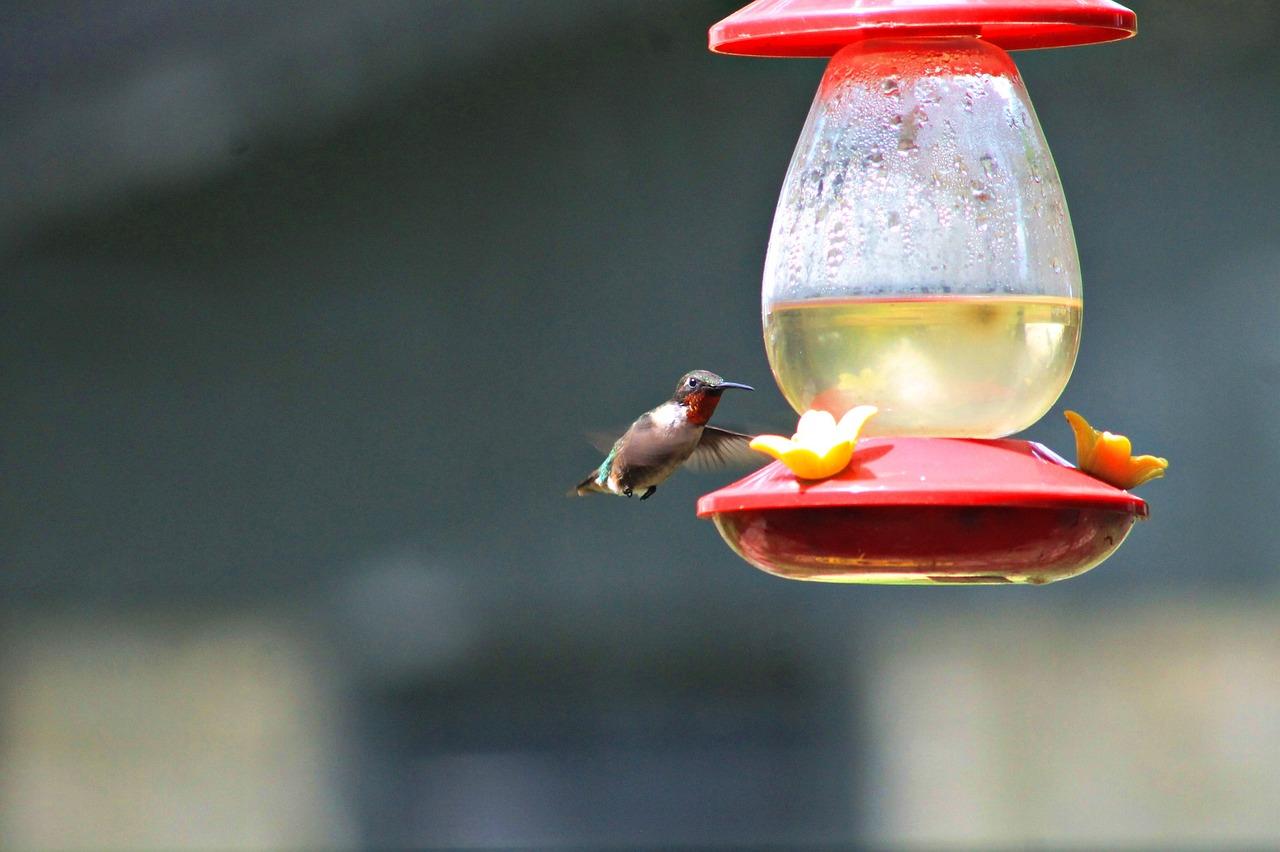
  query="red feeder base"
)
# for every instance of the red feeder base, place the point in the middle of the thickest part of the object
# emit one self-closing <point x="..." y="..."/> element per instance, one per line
<point x="927" y="510"/>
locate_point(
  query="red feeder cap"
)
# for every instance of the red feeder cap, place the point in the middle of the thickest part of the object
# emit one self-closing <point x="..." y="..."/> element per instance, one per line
<point x="930" y="472"/>
<point x="822" y="27"/>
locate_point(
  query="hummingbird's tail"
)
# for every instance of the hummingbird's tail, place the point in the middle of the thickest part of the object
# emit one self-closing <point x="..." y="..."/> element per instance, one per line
<point x="590" y="485"/>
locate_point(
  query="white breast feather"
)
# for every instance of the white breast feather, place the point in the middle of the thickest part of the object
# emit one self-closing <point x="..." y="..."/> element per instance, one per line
<point x="669" y="416"/>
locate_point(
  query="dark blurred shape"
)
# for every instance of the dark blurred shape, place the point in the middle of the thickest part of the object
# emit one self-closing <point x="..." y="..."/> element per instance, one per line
<point x="402" y="620"/>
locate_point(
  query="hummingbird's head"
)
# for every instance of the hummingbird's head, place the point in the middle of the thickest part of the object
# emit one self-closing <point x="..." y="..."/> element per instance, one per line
<point x="700" y="391"/>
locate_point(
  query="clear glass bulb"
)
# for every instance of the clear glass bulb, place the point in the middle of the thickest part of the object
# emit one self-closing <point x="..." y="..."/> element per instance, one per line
<point x="922" y="258"/>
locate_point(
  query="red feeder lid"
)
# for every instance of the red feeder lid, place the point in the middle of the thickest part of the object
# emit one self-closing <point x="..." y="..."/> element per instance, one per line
<point x="930" y="472"/>
<point x="822" y="27"/>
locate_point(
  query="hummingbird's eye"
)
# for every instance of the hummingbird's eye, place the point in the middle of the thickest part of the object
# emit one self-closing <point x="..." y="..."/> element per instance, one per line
<point x="693" y="383"/>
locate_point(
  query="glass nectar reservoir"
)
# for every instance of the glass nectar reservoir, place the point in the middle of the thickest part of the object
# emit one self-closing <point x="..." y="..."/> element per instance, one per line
<point x="922" y="258"/>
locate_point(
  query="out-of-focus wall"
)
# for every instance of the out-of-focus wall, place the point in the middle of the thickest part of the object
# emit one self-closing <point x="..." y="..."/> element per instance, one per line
<point x="165" y="731"/>
<point x="1135" y="725"/>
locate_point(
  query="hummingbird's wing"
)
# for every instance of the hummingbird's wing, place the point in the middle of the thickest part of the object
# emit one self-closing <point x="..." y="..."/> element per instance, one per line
<point x="604" y="439"/>
<point x="722" y="448"/>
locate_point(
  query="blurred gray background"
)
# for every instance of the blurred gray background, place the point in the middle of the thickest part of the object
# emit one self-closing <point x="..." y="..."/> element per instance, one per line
<point x="305" y="309"/>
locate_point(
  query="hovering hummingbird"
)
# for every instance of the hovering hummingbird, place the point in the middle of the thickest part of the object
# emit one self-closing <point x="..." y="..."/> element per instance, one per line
<point x="668" y="436"/>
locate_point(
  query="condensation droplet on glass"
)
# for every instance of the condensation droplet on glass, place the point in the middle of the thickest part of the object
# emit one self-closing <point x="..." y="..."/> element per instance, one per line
<point x="988" y="165"/>
<point x="890" y="85"/>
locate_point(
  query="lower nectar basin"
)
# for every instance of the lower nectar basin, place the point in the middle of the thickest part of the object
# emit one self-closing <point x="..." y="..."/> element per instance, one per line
<point x="927" y="511"/>
<point x="925" y="544"/>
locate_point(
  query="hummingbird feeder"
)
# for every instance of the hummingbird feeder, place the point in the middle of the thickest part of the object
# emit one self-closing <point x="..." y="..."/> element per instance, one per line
<point x="922" y="261"/>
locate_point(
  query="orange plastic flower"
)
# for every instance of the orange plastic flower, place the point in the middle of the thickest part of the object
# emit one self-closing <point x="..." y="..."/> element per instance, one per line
<point x="1110" y="457"/>
<point x="821" y="447"/>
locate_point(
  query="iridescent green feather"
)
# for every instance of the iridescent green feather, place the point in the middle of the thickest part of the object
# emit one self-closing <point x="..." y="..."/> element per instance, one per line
<point x="602" y="472"/>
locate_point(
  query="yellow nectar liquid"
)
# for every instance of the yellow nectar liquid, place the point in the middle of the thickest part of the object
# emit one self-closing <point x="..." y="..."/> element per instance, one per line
<point x="962" y="366"/>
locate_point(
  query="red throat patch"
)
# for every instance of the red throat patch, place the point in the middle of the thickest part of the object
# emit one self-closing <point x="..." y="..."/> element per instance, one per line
<point x="701" y="406"/>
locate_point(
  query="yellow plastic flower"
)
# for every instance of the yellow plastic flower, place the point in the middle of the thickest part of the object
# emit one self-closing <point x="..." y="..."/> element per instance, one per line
<point x="821" y="447"/>
<point x="1110" y="457"/>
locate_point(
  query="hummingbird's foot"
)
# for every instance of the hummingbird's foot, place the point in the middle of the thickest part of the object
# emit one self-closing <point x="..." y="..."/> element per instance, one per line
<point x="626" y="492"/>
<point x="648" y="492"/>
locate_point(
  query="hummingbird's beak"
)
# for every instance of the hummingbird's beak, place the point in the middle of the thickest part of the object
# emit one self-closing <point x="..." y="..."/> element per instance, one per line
<point x="724" y="385"/>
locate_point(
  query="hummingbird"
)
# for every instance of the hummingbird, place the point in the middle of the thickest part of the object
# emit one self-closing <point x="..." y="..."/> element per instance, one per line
<point x="668" y="436"/>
